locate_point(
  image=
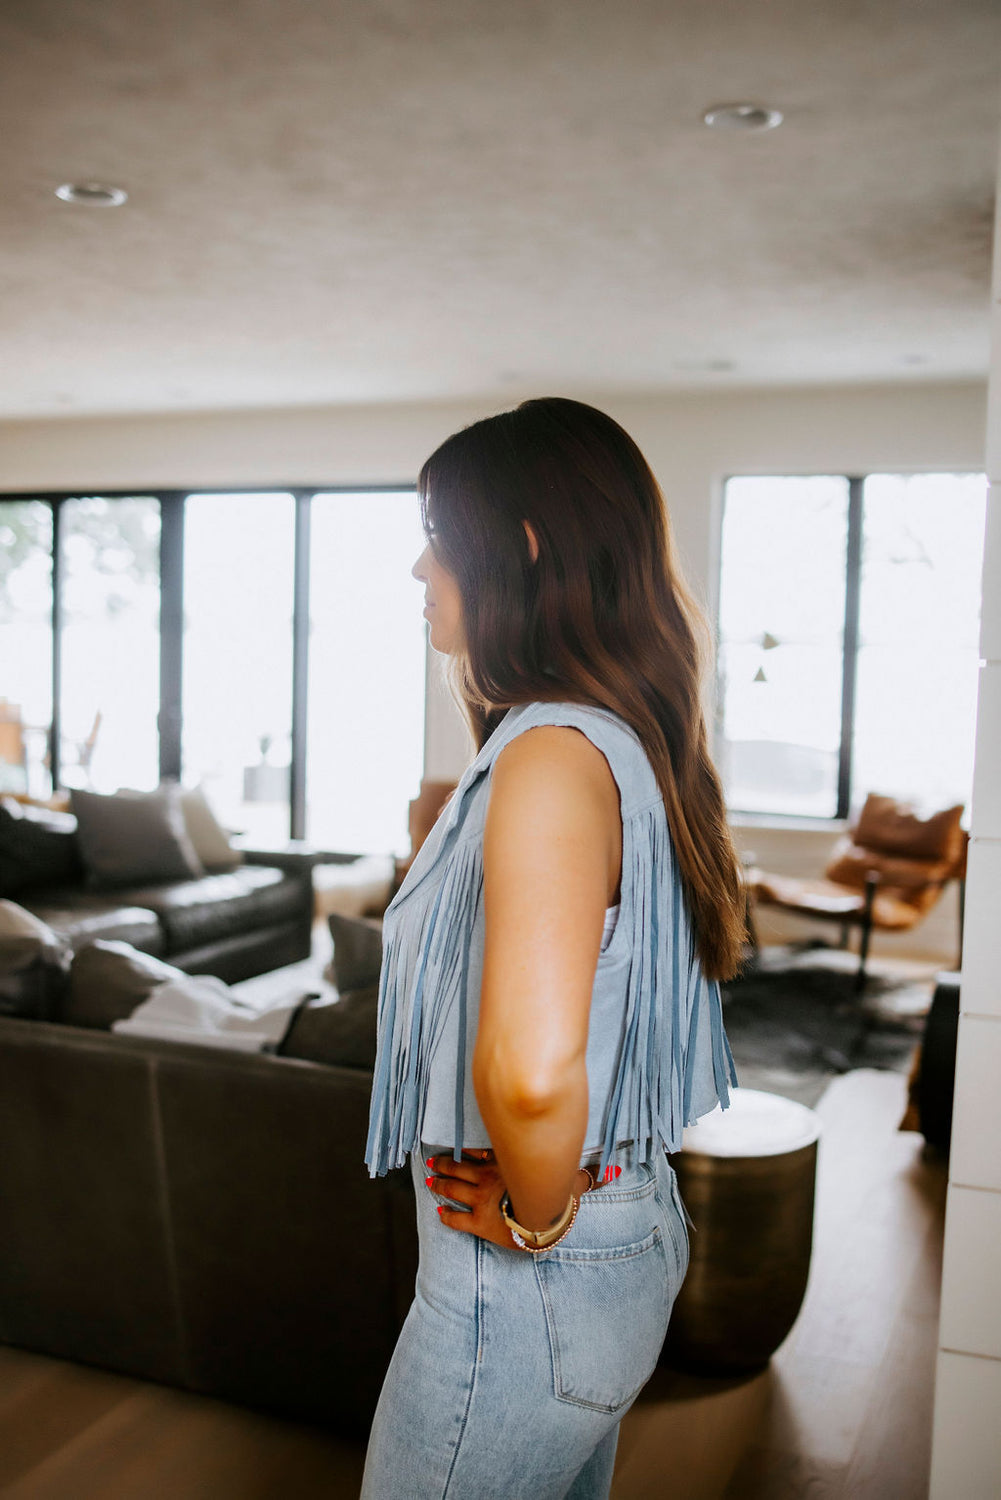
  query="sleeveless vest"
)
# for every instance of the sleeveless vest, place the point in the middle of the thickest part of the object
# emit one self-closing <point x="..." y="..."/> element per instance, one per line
<point x="657" y="1052"/>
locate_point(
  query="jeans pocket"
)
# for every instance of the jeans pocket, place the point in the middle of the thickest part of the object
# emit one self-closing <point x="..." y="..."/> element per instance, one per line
<point x="606" y="1313"/>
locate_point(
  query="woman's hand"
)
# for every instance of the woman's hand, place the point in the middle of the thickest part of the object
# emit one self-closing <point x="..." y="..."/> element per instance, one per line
<point x="476" y="1182"/>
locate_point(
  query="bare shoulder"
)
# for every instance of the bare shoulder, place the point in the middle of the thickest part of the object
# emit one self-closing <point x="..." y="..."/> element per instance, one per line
<point x="555" y="758"/>
<point x="553" y="821"/>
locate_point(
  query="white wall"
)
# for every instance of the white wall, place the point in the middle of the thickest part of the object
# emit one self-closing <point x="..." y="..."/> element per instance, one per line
<point x="693" y="443"/>
<point x="966" y="1447"/>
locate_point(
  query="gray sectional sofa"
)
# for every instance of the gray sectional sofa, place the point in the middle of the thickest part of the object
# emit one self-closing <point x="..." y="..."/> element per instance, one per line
<point x="201" y="1218"/>
<point x="242" y="913"/>
<point x="179" y="1212"/>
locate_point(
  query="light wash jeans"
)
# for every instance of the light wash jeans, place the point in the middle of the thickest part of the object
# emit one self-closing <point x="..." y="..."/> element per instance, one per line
<point x="513" y="1371"/>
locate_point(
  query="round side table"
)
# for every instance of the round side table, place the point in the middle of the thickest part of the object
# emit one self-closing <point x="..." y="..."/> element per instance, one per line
<point x="747" y="1176"/>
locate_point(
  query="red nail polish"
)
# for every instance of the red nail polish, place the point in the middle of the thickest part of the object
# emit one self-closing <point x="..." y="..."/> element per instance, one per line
<point x="441" y="1208"/>
<point x="429" y="1180"/>
<point x="429" y="1162"/>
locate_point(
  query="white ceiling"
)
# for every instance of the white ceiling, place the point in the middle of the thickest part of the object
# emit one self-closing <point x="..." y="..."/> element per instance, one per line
<point x="424" y="199"/>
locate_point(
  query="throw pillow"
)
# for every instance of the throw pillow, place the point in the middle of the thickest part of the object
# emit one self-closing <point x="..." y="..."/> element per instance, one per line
<point x="126" y="839"/>
<point x="38" y="847"/>
<point x="208" y="837"/>
<point x="25" y="939"/>
<point x="108" y="979"/>
<point x="357" y="958"/>
<point x="34" y="964"/>
<point x="895" y="827"/>
<point x="340" y="1033"/>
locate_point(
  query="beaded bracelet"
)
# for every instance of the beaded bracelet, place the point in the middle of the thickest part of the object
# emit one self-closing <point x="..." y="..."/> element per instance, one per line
<point x="518" y="1230"/>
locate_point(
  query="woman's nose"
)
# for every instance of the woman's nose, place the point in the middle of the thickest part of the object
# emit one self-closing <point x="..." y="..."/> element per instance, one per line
<point x="419" y="570"/>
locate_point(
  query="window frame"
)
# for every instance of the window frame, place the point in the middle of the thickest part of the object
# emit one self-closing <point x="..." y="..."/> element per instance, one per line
<point x="170" y="716"/>
<point x="850" y="632"/>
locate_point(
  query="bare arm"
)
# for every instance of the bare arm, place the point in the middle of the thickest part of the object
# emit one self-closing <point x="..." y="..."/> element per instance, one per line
<point x="552" y="857"/>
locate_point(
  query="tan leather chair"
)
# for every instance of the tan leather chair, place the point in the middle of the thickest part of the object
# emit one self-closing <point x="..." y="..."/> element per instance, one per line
<point x="885" y="875"/>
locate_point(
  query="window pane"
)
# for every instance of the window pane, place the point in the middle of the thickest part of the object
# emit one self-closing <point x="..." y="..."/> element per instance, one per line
<point x="237" y="661"/>
<point x="110" y="643"/>
<point x="366" y="671"/>
<point x="25" y="646"/>
<point x="782" y="603"/>
<point x="916" y="693"/>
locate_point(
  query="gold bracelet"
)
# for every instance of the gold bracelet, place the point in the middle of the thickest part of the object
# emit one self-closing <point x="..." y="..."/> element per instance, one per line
<point x="544" y="1239"/>
<point x="538" y="1239"/>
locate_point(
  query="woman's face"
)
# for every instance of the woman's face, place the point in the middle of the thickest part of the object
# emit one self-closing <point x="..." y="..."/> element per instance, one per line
<point x="442" y="603"/>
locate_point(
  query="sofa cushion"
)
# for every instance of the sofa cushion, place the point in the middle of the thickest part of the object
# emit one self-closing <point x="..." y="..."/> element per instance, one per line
<point x="132" y="837"/>
<point x="825" y="898"/>
<point x="357" y="956"/>
<point x="907" y="878"/>
<point x="108" y="980"/>
<point x="80" y="916"/>
<point x="340" y="1032"/>
<point x="38" y="847"/>
<point x="195" y="912"/>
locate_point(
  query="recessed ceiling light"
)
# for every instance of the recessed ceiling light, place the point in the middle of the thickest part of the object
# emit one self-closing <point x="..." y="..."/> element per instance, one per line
<point x="742" y="117"/>
<point x="93" y="194"/>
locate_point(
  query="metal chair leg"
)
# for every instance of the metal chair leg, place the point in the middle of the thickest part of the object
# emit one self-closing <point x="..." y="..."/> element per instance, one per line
<point x="871" y="882"/>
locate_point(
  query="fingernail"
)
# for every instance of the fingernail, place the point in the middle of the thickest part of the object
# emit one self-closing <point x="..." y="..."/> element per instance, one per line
<point x="429" y="1162"/>
<point x="441" y="1208"/>
<point x="429" y="1180"/>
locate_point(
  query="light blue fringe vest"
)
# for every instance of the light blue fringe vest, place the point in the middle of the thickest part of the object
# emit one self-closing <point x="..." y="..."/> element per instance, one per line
<point x="657" y="1053"/>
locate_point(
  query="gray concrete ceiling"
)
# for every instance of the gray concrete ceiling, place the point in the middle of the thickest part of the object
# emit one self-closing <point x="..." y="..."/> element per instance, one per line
<point x="423" y="199"/>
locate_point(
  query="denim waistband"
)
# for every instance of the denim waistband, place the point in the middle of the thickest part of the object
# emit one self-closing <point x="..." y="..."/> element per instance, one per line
<point x="627" y="1154"/>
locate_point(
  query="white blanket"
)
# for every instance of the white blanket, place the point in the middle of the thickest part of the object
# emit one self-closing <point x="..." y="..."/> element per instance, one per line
<point x="200" y="1008"/>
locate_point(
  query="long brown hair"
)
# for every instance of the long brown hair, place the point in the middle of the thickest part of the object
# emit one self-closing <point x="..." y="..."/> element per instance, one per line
<point x="603" y="617"/>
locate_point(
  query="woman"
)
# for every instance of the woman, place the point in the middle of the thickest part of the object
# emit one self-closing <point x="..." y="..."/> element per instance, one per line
<point x="549" y="1012"/>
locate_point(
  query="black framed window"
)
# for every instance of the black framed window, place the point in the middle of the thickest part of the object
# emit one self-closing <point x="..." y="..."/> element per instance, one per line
<point x="848" y="630"/>
<point x="267" y="645"/>
<point x="26" y="644"/>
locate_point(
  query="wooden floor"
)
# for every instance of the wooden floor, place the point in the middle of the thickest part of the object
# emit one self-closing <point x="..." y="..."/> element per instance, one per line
<point x="844" y="1410"/>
